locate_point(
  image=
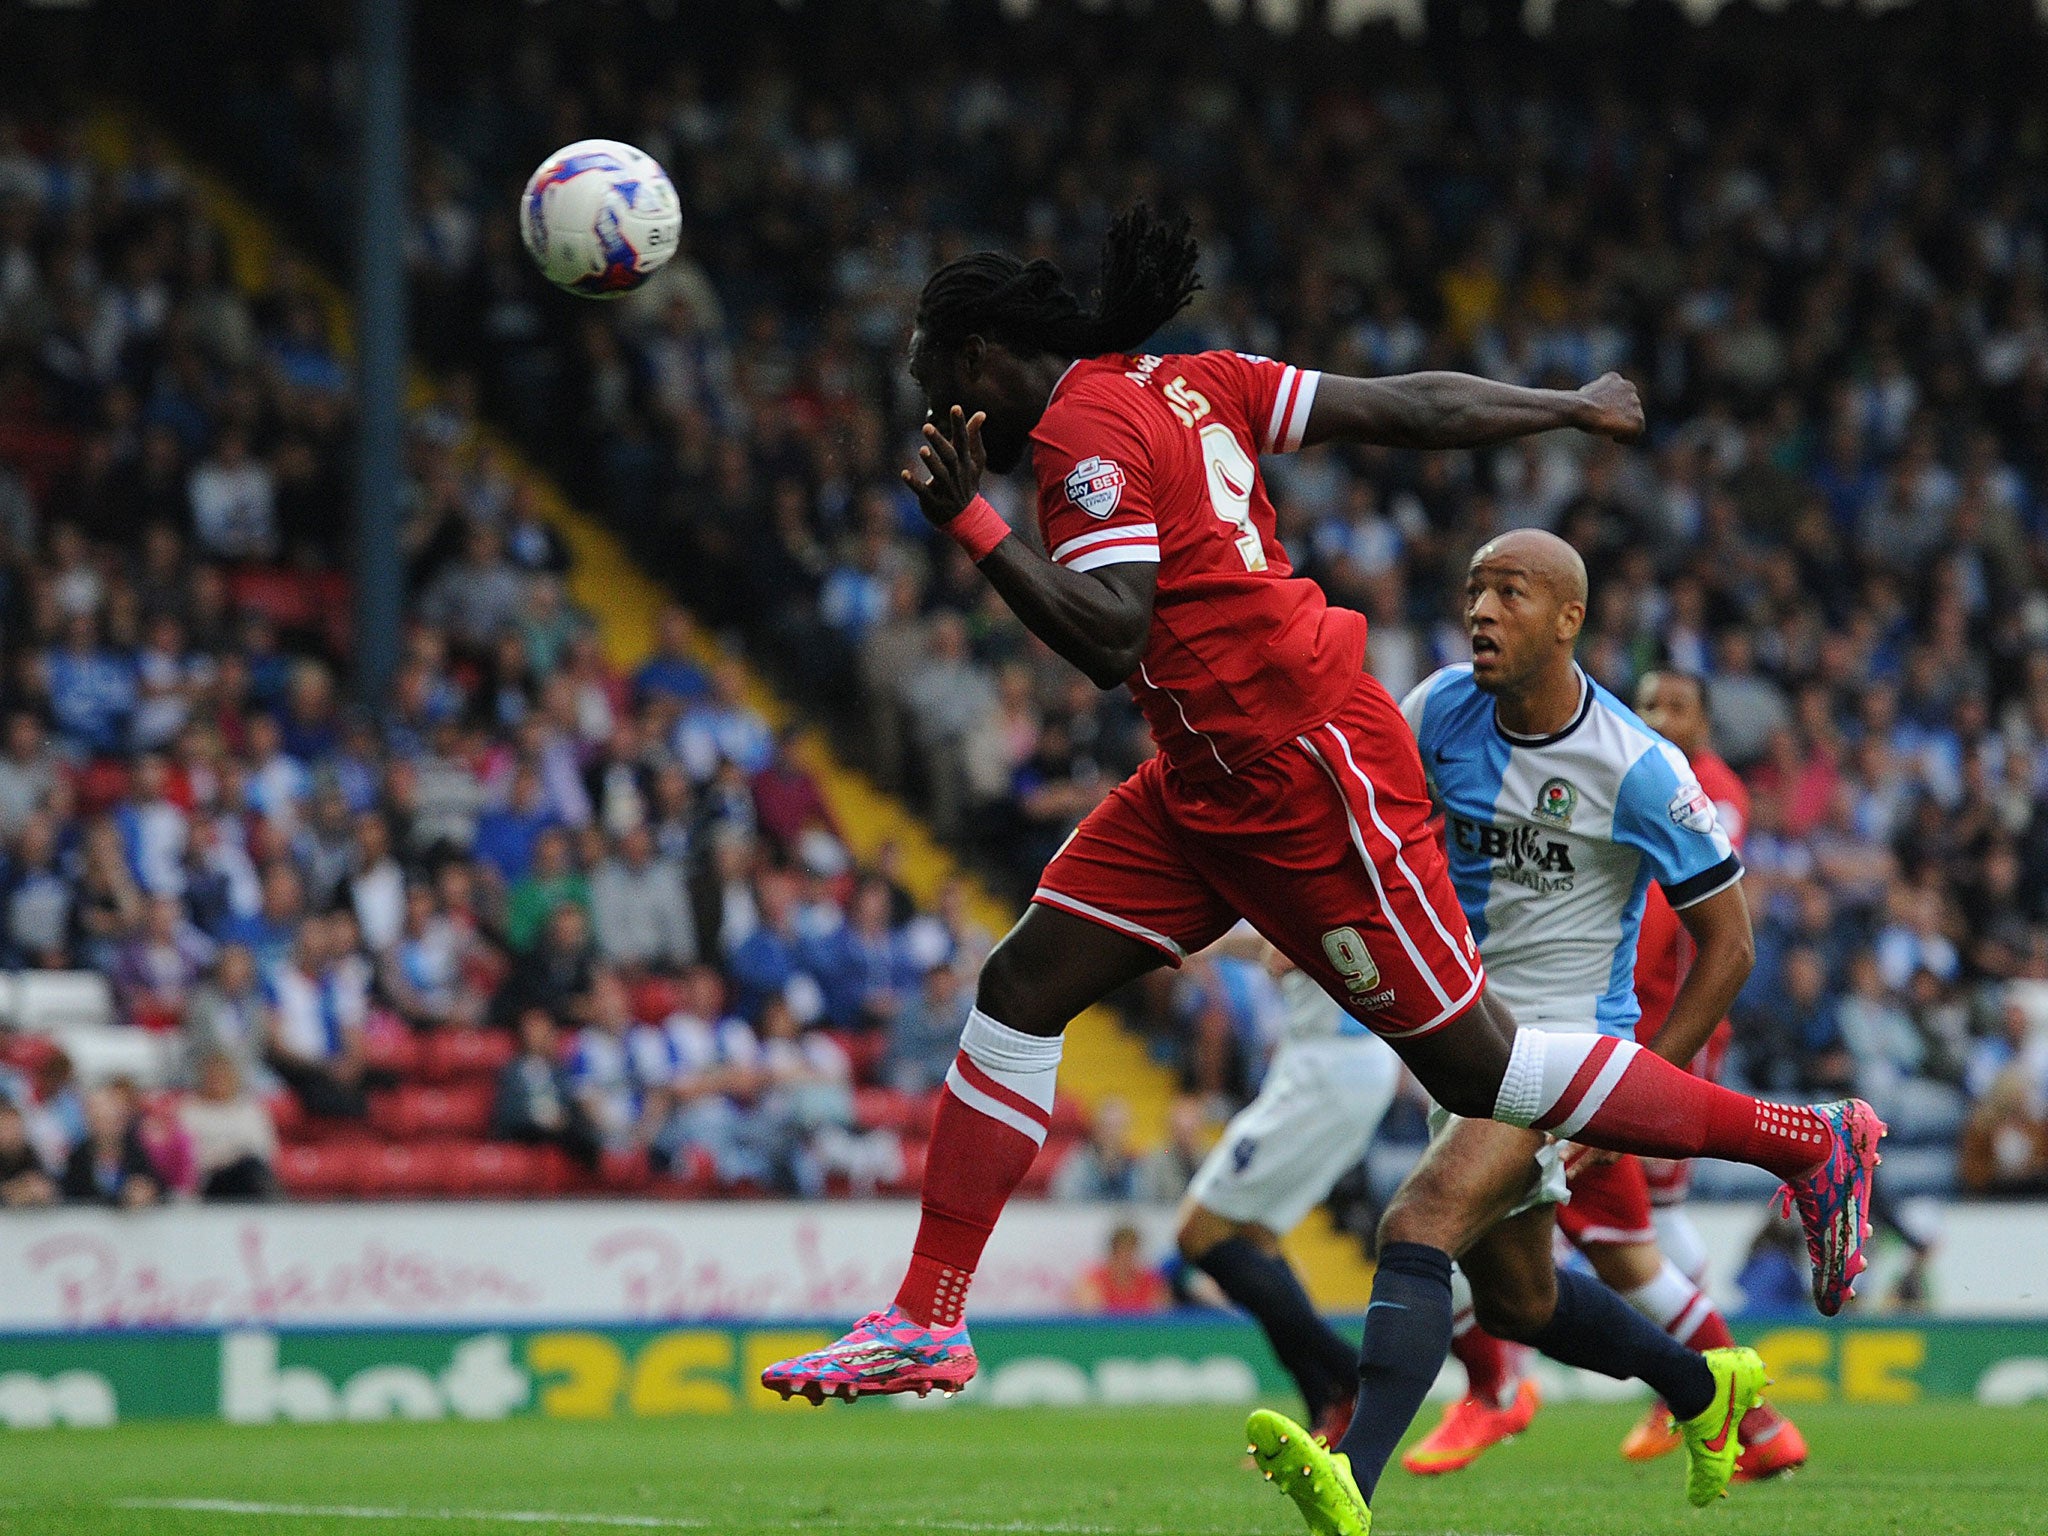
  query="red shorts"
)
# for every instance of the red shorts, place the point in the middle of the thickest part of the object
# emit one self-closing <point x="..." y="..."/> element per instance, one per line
<point x="1610" y="1204"/>
<point x="1326" y="845"/>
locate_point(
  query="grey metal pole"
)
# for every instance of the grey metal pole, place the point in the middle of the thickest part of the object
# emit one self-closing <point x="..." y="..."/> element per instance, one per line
<point x="380" y="332"/>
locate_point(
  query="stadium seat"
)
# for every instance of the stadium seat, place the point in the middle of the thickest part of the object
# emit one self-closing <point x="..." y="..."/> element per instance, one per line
<point x="55" y="1002"/>
<point x="98" y="1055"/>
<point x="397" y="1171"/>
<point x="488" y="1169"/>
<point x="320" y="1171"/>
<point x="884" y="1109"/>
<point x="624" y="1172"/>
<point x="452" y="1054"/>
<point x="417" y="1111"/>
<point x="396" y="1051"/>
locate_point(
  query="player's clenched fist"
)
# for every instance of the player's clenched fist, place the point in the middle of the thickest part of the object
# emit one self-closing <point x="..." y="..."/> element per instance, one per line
<point x="1613" y="408"/>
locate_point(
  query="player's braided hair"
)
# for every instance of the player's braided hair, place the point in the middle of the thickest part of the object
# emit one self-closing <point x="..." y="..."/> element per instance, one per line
<point x="1148" y="276"/>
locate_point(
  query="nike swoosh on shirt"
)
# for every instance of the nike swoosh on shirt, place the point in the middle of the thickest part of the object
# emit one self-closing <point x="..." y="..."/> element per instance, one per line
<point x="1442" y="759"/>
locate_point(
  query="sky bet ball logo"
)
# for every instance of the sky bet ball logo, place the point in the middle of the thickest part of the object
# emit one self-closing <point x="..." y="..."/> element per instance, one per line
<point x="1555" y="802"/>
<point x="1096" y="486"/>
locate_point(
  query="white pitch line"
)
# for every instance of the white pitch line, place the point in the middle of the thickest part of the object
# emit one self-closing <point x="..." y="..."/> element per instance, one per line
<point x="637" y="1522"/>
<point x="372" y="1512"/>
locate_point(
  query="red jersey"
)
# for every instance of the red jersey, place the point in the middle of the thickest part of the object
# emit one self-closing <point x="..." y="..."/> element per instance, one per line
<point x="1155" y="459"/>
<point x="1663" y="947"/>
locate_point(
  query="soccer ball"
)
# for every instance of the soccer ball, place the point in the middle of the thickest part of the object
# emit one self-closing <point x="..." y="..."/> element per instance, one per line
<point x="599" y="218"/>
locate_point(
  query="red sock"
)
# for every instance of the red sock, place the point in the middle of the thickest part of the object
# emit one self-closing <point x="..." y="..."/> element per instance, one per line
<point x="1711" y="1332"/>
<point x="1493" y="1367"/>
<point x="1614" y="1094"/>
<point x="975" y="1164"/>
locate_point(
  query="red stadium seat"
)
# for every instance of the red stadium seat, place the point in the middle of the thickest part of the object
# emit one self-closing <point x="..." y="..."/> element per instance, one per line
<point x="624" y="1172"/>
<point x="884" y="1109"/>
<point x="484" y="1169"/>
<point x="392" y="1049"/>
<point x="395" y="1171"/>
<point x="865" y="1048"/>
<point x="465" y="1053"/>
<point x="417" y="1111"/>
<point x="321" y="1171"/>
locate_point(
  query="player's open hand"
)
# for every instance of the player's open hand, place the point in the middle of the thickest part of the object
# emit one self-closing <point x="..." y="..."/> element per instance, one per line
<point x="1613" y="408"/>
<point x="953" y="460"/>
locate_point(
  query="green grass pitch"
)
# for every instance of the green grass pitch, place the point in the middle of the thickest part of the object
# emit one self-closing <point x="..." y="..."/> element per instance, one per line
<point x="1925" y="1470"/>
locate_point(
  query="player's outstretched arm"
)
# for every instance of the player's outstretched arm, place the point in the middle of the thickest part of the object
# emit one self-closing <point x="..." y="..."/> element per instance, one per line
<point x="1098" y="620"/>
<point x="1459" y="410"/>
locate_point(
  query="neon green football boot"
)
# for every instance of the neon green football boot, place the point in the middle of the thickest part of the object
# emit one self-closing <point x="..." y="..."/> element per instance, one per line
<point x="1712" y="1440"/>
<point x="1317" y="1479"/>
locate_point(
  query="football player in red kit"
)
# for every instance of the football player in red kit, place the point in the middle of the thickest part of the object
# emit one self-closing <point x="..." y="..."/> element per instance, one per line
<point x="1286" y="790"/>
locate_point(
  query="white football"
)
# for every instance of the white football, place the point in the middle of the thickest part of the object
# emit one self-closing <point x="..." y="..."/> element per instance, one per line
<point x="600" y="217"/>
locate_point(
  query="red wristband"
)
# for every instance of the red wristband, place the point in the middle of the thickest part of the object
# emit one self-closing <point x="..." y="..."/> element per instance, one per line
<point x="978" y="528"/>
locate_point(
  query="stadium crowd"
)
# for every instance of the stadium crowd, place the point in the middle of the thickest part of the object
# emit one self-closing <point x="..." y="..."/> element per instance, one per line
<point x="530" y="898"/>
<point x="1833" y="300"/>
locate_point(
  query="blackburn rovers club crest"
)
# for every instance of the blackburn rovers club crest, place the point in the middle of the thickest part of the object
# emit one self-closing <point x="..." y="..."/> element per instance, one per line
<point x="1555" y="802"/>
<point x="1096" y="486"/>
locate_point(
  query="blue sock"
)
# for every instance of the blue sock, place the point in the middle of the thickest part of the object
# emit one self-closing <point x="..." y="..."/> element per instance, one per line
<point x="1594" y="1328"/>
<point x="1407" y="1336"/>
<point x="1265" y="1285"/>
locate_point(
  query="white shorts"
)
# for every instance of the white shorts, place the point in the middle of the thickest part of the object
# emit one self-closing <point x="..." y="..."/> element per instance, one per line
<point x="1550" y="1187"/>
<point x="1309" y="1126"/>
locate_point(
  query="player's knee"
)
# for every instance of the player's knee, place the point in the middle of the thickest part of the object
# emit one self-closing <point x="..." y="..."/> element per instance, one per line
<point x="1412" y="1219"/>
<point x="1517" y="1313"/>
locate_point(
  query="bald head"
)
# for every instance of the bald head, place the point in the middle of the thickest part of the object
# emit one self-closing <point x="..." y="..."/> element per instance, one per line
<point x="1543" y="557"/>
<point x="1525" y="600"/>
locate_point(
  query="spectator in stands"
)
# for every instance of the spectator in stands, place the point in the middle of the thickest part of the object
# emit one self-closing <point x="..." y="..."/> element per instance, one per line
<point x="1123" y="1284"/>
<point x="316" y="1024"/>
<point x="555" y="974"/>
<point x="1164" y="1172"/>
<point x="1773" y="1276"/>
<point x="478" y="597"/>
<point x="924" y="1034"/>
<point x="228" y="1015"/>
<point x="24" y="1181"/>
<point x="536" y="1102"/>
<point x="426" y="974"/>
<point x="788" y="804"/>
<point x="625" y="1104"/>
<point x="553" y="882"/>
<point x="28" y="771"/>
<point x="639" y="908"/>
<point x="862" y="964"/>
<point x="234" y="1143"/>
<point x="110" y="1166"/>
<point x="91" y="689"/>
<point x="157" y="969"/>
<point x="1103" y="1167"/>
<point x="234" y="505"/>
<point x="375" y="887"/>
<point x="769" y="961"/>
<point x="39" y="901"/>
<point x="506" y="834"/>
<point x="672" y="671"/>
<point x="272" y="931"/>
<point x="109" y="905"/>
<point x="723" y="727"/>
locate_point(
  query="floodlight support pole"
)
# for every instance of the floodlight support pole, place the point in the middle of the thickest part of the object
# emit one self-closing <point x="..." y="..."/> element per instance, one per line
<point x="382" y="26"/>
